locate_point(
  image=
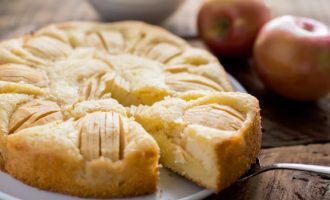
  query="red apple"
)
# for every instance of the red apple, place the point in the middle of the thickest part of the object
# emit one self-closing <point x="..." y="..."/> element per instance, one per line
<point x="229" y="27"/>
<point x="292" y="56"/>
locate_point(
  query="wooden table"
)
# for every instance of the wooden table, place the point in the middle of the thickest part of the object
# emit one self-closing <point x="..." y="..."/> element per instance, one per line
<point x="292" y="131"/>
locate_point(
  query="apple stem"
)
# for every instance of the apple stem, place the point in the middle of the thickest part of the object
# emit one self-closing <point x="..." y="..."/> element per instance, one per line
<point x="222" y="27"/>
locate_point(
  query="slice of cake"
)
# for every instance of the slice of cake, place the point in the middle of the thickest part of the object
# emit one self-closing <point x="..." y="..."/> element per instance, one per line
<point x="209" y="138"/>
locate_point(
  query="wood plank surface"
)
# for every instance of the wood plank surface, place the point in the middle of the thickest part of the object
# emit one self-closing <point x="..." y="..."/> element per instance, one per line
<point x="285" y="184"/>
<point x="284" y="122"/>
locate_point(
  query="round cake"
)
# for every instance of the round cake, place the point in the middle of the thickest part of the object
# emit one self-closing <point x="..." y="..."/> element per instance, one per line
<point x="93" y="109"/>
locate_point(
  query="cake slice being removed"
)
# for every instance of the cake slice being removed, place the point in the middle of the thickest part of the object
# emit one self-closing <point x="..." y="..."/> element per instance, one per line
<point x="209" y="138"/>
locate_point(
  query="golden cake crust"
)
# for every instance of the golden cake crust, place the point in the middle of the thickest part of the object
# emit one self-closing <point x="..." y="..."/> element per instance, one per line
<point x="55" y="164"/>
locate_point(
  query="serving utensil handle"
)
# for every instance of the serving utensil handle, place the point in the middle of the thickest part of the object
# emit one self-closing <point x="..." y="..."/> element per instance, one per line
<point x="324" y="170"/>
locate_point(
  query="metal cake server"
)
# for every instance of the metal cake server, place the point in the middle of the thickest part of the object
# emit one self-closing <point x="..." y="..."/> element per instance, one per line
<point x="257" y="169"/>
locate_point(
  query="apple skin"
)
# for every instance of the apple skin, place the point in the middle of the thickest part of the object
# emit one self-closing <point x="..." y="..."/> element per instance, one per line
<point x="292" y="56"/>
<point x="229" y="27"/>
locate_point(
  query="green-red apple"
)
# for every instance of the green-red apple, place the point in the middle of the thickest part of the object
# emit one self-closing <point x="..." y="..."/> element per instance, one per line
<point x="292" y="56"/>
<point x="229" y="27"/>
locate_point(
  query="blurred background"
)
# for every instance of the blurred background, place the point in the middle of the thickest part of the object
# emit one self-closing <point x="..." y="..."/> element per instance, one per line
<point x="27" y="15"/>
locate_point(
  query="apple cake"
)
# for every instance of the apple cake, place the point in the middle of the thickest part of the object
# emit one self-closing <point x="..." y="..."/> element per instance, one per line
<point x="89" y="109"/>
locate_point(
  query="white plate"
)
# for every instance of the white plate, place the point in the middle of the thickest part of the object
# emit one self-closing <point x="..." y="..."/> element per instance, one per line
<point x="171" y="185"/>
